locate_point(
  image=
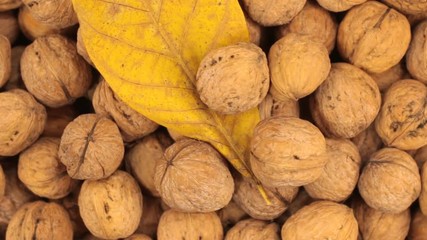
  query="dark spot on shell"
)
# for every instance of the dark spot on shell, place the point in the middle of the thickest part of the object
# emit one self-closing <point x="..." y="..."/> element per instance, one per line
<point x="394" y="126"/>
<point x="329" y="97"/>
<point x="232" y="56"/>
<point x="106" y="208"/>
<point x="213" y="62"/>
<point x="296" y="157"/>
<point x="422" y="124"/>
<point x="219" y="59"/>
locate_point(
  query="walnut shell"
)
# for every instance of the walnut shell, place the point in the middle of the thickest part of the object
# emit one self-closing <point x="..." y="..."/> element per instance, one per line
<point x="301" y="200"/>
<point x="418" y="230"/>
<point x="22" y="121"/>
<point x="421" y="156"/>
<point x="32" y="28"/>
<point x="112" y="207"/>
<point x="15" y="80"/>
<point x="339" y="5"/>
<point x="346" y="103"/>
<point x="81" y="48"/>
<point x="58" y="119"/>
<point x="270" y="107"/>
<point x="234" y="78"/>
<point x="315" y="22"/>
<point x="340" y="174"/>
<point x="176" y="225"/>
<point x="9" y="25"/>
<point x="373" y="36"/>
<point x="273" y="12"/>
<point x="91" y="147"/>
<point x="255" y="31"/>
<point x="51" y="65"/>
<point x="193" y="177"/>
<point x="367" y="142"/>
<point x="132" y="124"/>
<point x="390" y="181"/>
<point x="5" y="60"/>
<point x="6" y="5"/>
<point x="416" y="57"/>
<point x="401" y="121"/>
<point x="298" y="65"/>
<point x="152" y="209"/>
<point x="40" y="220"/>
<point x="287" y="152"/>
<point x="2" y="182"/>
<point x="138" y="237"/>
<point x="423" y="194"/>
<point x="385" y="79"/>
<point x="70" y="203"/>
<point x="408" y="6"/>
<point x="59" y="13"/>
<point x="253" y="229"/>
<point x="231" y="214"/>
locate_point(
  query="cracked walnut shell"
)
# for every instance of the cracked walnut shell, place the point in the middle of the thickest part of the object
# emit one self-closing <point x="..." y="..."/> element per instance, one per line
<point x="58" y="13"/>
<point x="416" y="57"/>
<point x="253" y="229"/>
<point x="5" y="60"/>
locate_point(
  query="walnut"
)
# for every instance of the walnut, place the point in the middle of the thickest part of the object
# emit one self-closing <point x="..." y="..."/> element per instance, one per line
<point x="385" y="79"/>
<point x="32" y="28"/>
<point x="346" y="103"/>
<point x="193" y="177"/>
<point x="5" y="60"/>
<point x="58" y="119"/>
<point x="255" y="31"/>
<point x="315" y="22"/>
<point x="9" y="25"/>
<point x="132" y="124"/>
<point x="15" y="80"/>
<point x="253" y="229"/>
<point x="176" y="225"/>
<point x="416" y="57"/>
<point x="59" y="13"/>
<point x="373" y="36"/>
<point x="421" y="156"/>
<point x="401" y="121"/>
<point x="138" y="237"/>
<point x="339" y="5"/>
<point x="6" y="5"/>
<point x="22" y="121"/>
<point x="234" y="78"/>
<point x="302" y="199"/>
<point x="40" y="220"/>
<point x="2" y="183"/>
<point x="81" y="48"/>
<point x="423" y="194"/>
<point x="408" y="6"/>
<point x="51" y="65"/>
<point x="112" y="207"/>
<point x="367" y="142"/>
<point x="287" y="152"/>
<point x="390" y="181"/>
<point x="91" y="147"/>
<point x="418" y="230"/>
<point x="231" y="214"/>
<point x="271" y="107"/>
<point x="149" y="222"/>
<point x="175" y="136"/>
<point x="340" y="174"/>
<point x="70" y="203"/>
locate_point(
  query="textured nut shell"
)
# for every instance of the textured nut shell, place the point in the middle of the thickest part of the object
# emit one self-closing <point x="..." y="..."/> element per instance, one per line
<point x="32" y="28"/>
<point x="402" y="122"/>
<point x="59" y="13"/>
<point x="15" y="80"/>
<point x="308" y="222"/>
<point x="287" y="152"/>
<point x="41" y="171"/>
<point x="408" y="6"/>
<point x="231" y="214"/>
<point x="81" y="48"/>
<point x="271" y="107"/>
<point x="22" y="121"/>
<point x="192" y="177"/>
<point x="9" y="4"/>
<point x="423" y="194"/>
<point x="374" y="224"/>
<point x="302" y="199"/>
<point x="373" y="36"/>
<point x="5" y="60"/>
<point x="346" y="103"/>
<point x="367" y="142"/>
<point x="40" y="220"/>
<point x="176" y="225"/>
<point x="9" y="25"/>
<point x="253" y="229"/>
<point x="53" y="71"/>
<point x="416" y="57"/>
<point x="273" y="12"/>
<point x="390" y="181"/>
<point x="315" y="22"/>
<point x="132" y="124"/>
<point x="138" y="237"/>
<point x="339" y="5"/>
<point x="340" y="174"/>
<point x="418" y="230"/>
<point x="298" y="65"/>
<point x="58" y="119"/>
<point x="255" y="31"/>
<point x="234" y="78"/>
<point x="112" y="207"/>
<point x="421" y="156"/>
<point x="2" y="182"/>
<point x="152" y="209"/>
<point x="70" y="203"/>
<point x="385" y="79"/>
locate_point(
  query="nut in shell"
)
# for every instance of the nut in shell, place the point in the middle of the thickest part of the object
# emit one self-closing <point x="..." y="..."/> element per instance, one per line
<point x="231" y="214"/>
<point x="339" y="5"/>
<point x="253" y="229"/>
<point x="385" y="79"/>
<point x="5" y="60"/>
<point x="418" y="230"/>
<point x="416" y="57"/>
<point x="367" y="142"/>
<point x="408" y="6"/>
<point x="423" y="194"/>
<point x="152" y="209"/>
<point x="10" y="27"/>
<point x="6" y="5"/>
<point x="59" y="13"/>
<point x="271" y="107"/>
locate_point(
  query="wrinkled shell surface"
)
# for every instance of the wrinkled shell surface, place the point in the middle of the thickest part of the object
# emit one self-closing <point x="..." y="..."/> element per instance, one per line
<point x="287" y="152"/>
<point x="58" y="119"/>
<point x="416" y="57"/>
<point x="231" y="214"/>
<point x="421" y="156"/>
<point x="385" y="79"/>
<point x="112" y="207"/>
<point x="367" y="142"/>
<point x="152" y="209"/>
<point x="423" y="195"/>
<point x="9" y="25"/>
<point x="253" y="229"/>
<point x="408" y="6"/>
<point x="271" y="107"/>
<point x="9" y="4"/>
<point x="138" y="237"/>
<point x="390" y="181"/>
<point x="91" y="147"/>
<point x="302" y="199"/>
<point x="59" y="13"/>
<point x="5" y="60"/>
<point x="234" y="78"/>
<point x="32" y="28"/>
<point x="339" y="5"/>
<point x="373" y="36"/>
<point x="273" y="12"/>
<point x="70" y="203"/>
<point x="418" y="230"/>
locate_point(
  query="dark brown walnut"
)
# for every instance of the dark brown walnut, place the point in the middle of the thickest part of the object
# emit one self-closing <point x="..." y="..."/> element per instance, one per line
<point x="91" y="147"/>
<point x="70" y="203"/>
<point x="58" y="119"/>
<point x="234" y="78"/>
<point x="340" y="174"/>
<point x="390" y="181"/>
<point x="2" y="182"/>
<point x="255" y="31"/>
<point x="59" y="13"/>
<point x="81" y="48"/>
<point x="138" y="237"/>
<point x="315" y="22"/>
<point x="5" y="60"/>
<point x="9" y="25"/>
<point x="231" y="214"/>
<point x="402" y="120"/>
<point x="287" y="152"/>
<point x="40" y="220"/>
<point x="176" y="225"/>
<point x="22" y="121"/>
<point x="339" y="5"/>
<point x="346" y="103"/>
<point x="193" y="177"/>
<point x="373" y="36"/>
<point x="418" y="230"/>
<point x="415" y="19"/>
<point x="111" y="208"/>
<point x="271" y="107"/>
<point x="367" y="142"/>
<point x="416" y="57"/>
<point x="15" y="80"/>
<point x="408" y="6"/>
<point x="132" y="124"/>
<point x="253" y="229"/>
<point x="149" y="222"/>
<point x="53" y="71"/>
<point x="423" y="194"/>
<point x="6" y="5"/>
<point x="385" y="79"/>
<point x="421" y="156"/>
<point x="41" y="171"/>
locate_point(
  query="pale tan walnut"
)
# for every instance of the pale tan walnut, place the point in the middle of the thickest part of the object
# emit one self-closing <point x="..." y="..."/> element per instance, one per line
<point x="192" y="177"/>
<point x="287" y="152"/>
<point x="54" y="72"/>
<point x="421" y="156"/>
<point x="15" y="80"/>
<point x="298" y="65"/>
<point x="176" y="225"/>
<point x="112" y="207"/>
<point x="231" y="214"/>
<point x="374" y="224"/>
<point x="408" y="6"/>
<point x="390" y="181"/>
<point x="91" y="147"/>
<point x="367" y="142"/>
<point x="6" y="5"/>
<point x="81" y="48"/>
<point x="423" y="194"/>
<point x="340" y="174"/>
<point x="234" y="78"/>
<point x="416" y="57"/>
<point x="255" y="31"/>
<point x="373" y="36"/>
<point x="315" y="22"/>
<point x="346" y="103"/>
<point x="32" y="28"/>
<point x="2" y="182"/>
<point x="138" y="237"/>
<point x="9" y="25"/>
<point x="271" y="107"/>
<point x="149" y="222"/>
<point x="339" y="5"/>
<point x="41" y="171"/>
<point x="175" y="136"/>
<point x="253" y="229"/>
<point x="273" y="12"/>
<point x="402" y="121"/>
<point x="22" y="121"/>
<point x="132" y="124"/>
<point x="5" y="60"/>
<point x="58" y="13"/>
<point x="40" y="220"/>
<point x="58" y="119"/>
<point x="418" y="230"/>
